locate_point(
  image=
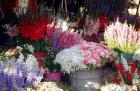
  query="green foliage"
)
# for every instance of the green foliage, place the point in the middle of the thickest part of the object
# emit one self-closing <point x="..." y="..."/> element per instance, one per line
<point x="49" y="62"/>
<point x="2" y="57"/>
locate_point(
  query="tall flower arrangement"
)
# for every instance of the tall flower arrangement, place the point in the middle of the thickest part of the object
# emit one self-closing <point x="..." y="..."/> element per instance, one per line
<point x="122" y="38"/>
<point x="78" y="57"/>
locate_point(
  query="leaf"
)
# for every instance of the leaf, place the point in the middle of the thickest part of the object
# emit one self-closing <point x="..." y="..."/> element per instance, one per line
<point x="105" y="60"/>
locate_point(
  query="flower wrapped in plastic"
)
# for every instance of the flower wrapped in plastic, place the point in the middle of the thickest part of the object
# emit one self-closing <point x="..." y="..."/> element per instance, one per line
<point x="34" y="30"/>
<point x="122" y="38"/>
<point x="79" y="56"/>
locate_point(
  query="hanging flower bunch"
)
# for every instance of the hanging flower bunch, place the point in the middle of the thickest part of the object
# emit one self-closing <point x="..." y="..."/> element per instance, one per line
<point x="123" y="38"/>
<point x="16" y="73"/>
<point x="43" y="86"/>
<point x="79" y="56"/>
<point x="23" y="6"/>
<point x="34" y="30"/>
<point x="127" y="72"/>
<point x="92" y="27"/>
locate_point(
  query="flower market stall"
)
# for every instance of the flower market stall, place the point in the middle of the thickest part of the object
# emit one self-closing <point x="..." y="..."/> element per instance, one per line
<point x="69" y="45"/>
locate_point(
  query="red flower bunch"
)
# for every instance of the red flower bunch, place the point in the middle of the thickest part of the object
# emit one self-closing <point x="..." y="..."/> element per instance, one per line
<point x="34" y="30"/>
<point x="126" y="76"/>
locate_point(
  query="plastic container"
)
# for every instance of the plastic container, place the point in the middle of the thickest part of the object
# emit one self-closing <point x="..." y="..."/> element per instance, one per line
<point x="86" y="80"/>
<point x="55" y="76"/>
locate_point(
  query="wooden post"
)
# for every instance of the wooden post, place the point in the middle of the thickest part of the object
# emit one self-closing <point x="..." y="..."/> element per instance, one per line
<point x="137" y="15"/>
<point x="66" y="7"/>
<point x="138" y="9"/>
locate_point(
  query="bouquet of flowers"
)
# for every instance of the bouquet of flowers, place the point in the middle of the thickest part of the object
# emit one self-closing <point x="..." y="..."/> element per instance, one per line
<point x="122" y="38"/>
<point x="69" y="39"/>
<point x="17" y="73"/>
<point x="78" y="57"/>
<point x="127" y="72"/>
<point x="61" y="40"/>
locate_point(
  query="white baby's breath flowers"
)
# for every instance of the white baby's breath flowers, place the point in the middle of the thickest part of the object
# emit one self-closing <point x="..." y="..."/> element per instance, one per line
<point x="71" y="59"/>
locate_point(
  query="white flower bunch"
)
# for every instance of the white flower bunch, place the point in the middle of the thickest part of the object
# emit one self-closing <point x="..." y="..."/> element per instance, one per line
<point x="45" y="86"/>
<point x="71" y="59"/>
<point x="114" y="87"/>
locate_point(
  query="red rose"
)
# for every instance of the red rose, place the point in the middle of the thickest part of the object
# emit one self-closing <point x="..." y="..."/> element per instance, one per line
<point x="133" y="67"/>
<point x="129" y="76"/>
<point x="117" y="80"/>
<point x="120" y="68"/>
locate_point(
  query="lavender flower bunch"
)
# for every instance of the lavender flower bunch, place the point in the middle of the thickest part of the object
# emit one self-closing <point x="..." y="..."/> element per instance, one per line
<point x="19" y="73"/>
